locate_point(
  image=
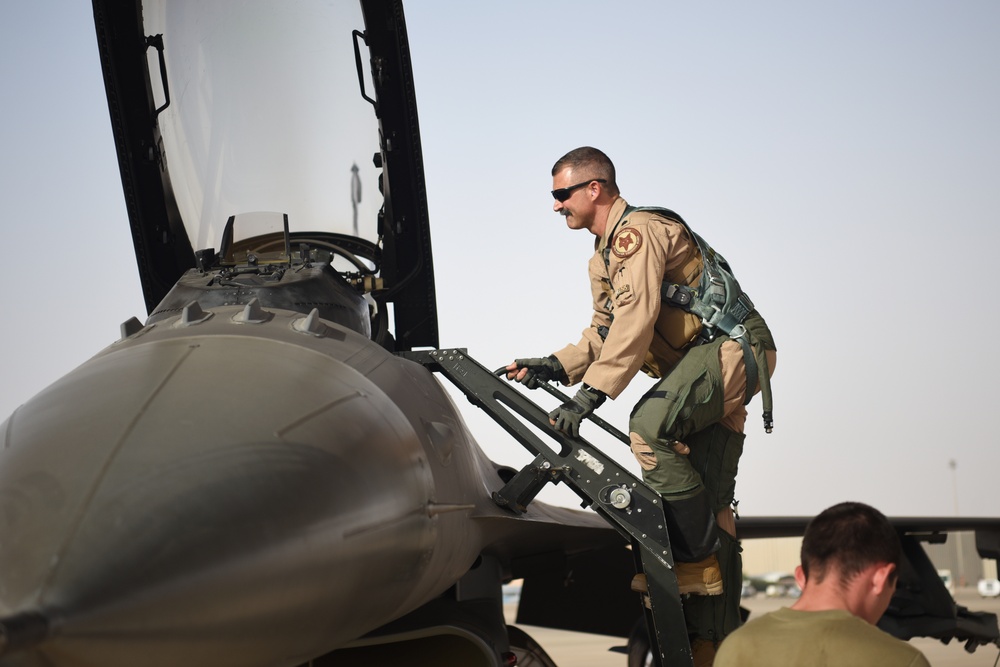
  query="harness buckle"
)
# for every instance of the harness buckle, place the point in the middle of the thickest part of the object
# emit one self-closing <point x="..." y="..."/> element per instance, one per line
<point x="677" y="295"/>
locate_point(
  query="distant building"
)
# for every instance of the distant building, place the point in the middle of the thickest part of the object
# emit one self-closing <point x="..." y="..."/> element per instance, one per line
<point x="960" y="556"/>
<point x="776" y="554"/>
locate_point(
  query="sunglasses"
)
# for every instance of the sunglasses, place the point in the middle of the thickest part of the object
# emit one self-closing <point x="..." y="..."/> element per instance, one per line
<point x="562" y="194"/>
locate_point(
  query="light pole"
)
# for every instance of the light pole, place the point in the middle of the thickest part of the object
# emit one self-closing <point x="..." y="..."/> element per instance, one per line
<point x="960" y="569"/>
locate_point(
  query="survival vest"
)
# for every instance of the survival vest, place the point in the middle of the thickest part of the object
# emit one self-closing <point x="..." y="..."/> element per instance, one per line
<point x="719" y="301"/>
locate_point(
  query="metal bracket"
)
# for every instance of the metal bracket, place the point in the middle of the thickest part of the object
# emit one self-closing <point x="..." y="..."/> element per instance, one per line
<point x="156" y="41"/>
<point x="361" y="73"/>
<point x="522" y="488"/>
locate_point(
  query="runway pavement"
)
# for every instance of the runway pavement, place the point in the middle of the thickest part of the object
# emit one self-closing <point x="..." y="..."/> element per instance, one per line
<point x="574" y="649"/>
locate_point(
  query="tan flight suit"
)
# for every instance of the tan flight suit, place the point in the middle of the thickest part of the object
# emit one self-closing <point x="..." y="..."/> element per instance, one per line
<point x="700" y="398"/>
<point x="645" y="251"/>
<point x="643" y="332"/>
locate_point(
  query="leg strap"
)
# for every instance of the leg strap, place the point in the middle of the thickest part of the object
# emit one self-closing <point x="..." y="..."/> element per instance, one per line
<point x="692" y="528"/>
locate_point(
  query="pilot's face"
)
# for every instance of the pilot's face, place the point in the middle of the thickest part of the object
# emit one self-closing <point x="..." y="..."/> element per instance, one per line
<point x="578" y="206"/>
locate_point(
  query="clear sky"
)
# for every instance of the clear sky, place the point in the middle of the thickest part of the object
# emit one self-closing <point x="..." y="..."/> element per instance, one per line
<point x="845" y="157"/>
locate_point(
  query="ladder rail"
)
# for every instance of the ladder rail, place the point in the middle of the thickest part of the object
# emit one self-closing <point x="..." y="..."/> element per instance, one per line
<point x="614" y="493"/>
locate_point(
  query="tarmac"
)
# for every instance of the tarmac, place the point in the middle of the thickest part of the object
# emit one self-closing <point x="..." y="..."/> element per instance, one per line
<point x="576" y="649"/>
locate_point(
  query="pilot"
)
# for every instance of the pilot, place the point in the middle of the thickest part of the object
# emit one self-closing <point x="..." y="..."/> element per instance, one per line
<point x="667" y="304"/>
<point x="850" y="563"/>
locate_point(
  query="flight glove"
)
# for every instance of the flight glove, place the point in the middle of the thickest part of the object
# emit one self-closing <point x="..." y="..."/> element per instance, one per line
<point x="567" y="417"/>
<point x="541" y="370"/>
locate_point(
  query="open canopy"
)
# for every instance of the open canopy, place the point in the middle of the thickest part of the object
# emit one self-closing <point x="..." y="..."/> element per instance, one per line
<point x="264" y="114"/>
<point x="303" y="109"/>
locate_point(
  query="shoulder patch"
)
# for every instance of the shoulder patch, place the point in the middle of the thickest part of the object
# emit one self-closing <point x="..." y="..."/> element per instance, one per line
<point x="626" y="242"/>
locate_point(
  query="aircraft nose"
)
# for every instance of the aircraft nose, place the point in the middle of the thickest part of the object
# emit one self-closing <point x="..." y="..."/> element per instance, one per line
<point x="145" y="512"/>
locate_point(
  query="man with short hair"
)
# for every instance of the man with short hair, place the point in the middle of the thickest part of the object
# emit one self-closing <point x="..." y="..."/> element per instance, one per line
<point x="850" y="563"/>
<point x="667" y="304"/>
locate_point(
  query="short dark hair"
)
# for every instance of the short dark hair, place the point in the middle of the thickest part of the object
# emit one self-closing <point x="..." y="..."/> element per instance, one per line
<point x="849" y="537"/>
<point x="590" y="161"/>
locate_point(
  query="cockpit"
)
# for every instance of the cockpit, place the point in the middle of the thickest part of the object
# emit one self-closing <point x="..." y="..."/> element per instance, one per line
<point x="270" y="152"/>
<point x="261" y="259"/>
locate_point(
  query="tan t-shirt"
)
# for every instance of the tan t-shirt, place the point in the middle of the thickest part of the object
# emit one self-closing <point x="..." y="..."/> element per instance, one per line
<point x="834" y="638"/>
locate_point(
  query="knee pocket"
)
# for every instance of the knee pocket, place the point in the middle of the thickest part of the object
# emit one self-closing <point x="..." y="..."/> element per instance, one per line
<point x="677" y="407"/>
<point x="657" y="411"/>
<point x="700" y="394"/>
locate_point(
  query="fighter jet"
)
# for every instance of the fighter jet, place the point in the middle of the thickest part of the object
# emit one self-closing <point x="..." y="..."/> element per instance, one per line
<point x="252" y="476"/>
<point x="258" y="474"/>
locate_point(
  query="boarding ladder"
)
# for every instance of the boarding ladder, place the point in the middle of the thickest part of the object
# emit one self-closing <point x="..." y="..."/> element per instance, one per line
<point x="622" y="499"/>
